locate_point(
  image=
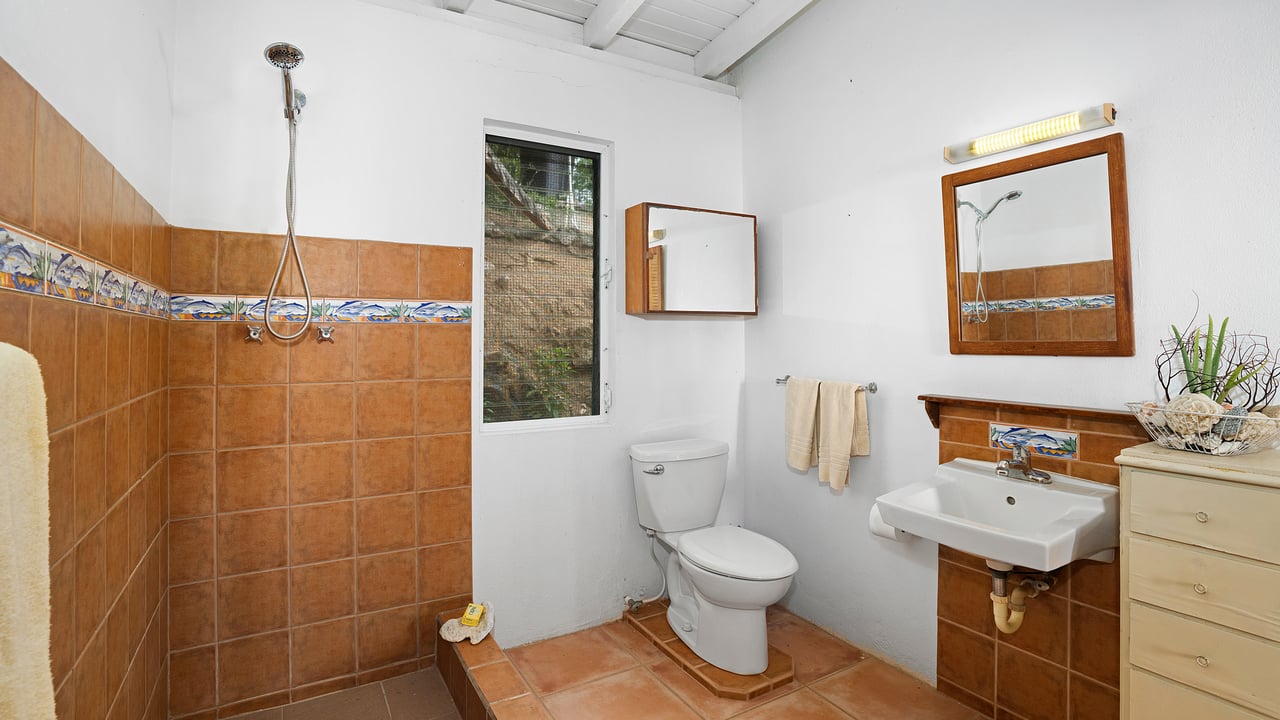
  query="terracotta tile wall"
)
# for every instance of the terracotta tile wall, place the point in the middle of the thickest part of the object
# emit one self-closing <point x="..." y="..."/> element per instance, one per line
<point x="1064" y="662"/>
<point x="321" y="500"/>
<point x="106" y="380"/>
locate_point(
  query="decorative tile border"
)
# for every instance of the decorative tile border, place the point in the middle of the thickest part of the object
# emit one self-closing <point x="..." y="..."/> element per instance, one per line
<point x="228" y="308"/>
<point x="1080" y="302"/>
<point x="32" y="265"/>
<point x="1040" y="441"/>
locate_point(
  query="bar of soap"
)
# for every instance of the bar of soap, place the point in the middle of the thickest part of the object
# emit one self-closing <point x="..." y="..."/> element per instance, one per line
<point x="471" y="617"/>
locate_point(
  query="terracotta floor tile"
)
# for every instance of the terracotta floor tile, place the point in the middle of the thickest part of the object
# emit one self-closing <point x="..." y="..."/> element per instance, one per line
<point x="633" y="642"/>
<point x="873" y="690"/>
<point x="816" y="652"/>
<point x="629" y="695"/>
<point x="499" y="681"/>
<point x="558" y="663"/>
<point x="482" y="653"/>
<point x="700" y="699"/>
<point x="657" y="627"/>
<point x="521" y="708"/>
<point x="803" y="704"/>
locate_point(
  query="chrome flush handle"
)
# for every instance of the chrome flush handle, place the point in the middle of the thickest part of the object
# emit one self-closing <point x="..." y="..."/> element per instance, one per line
<point x="656" y="470"/>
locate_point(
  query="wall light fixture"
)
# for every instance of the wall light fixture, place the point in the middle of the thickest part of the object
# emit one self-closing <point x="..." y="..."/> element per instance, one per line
<point x="1055" y="127"/>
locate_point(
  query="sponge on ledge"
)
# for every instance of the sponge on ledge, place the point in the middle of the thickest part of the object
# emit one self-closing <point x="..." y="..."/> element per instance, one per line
<point x="455" y="631"/>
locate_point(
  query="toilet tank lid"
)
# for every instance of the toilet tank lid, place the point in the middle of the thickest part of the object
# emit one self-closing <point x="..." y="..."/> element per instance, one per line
<point x="738" y="552"/>
<point x="673" y="450"/>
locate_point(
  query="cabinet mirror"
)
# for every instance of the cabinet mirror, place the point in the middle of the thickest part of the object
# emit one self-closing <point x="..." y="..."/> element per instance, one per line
<point x="1038" y="254"/>
<point x="690" y="261"/>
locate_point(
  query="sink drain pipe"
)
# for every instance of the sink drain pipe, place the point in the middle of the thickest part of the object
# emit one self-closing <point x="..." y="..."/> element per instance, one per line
<point x="1009" y="608"/>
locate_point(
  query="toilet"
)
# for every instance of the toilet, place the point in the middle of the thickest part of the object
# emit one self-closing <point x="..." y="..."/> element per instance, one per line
<point x="719" y="579"/>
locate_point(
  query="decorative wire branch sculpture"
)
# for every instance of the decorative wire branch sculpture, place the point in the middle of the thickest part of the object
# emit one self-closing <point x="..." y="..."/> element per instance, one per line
<point x="1236" y="368"/>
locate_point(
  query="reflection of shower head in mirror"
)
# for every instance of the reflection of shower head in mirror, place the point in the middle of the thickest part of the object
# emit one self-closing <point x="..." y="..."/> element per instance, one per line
<point x="1011" y="195"/>
<point x="979" y="296"/>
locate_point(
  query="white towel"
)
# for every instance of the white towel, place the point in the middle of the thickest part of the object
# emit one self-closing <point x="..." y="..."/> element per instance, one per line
<point x="26" y="682"/>
<point x="801" y="423"/>
<point x="842" y="430"/>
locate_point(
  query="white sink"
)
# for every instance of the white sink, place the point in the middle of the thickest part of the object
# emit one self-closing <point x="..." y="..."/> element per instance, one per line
<point x="967" y="506"/>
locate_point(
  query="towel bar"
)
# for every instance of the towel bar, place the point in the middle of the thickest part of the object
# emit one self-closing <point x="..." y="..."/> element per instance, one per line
<point x="870" y="387"/>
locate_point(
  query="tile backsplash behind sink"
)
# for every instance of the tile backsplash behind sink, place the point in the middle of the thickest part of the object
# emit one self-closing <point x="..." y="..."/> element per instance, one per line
<point x="1063" y="664"/>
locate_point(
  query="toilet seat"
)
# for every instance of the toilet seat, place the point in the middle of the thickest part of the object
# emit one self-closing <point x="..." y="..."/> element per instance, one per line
<point x="736" y="552"/>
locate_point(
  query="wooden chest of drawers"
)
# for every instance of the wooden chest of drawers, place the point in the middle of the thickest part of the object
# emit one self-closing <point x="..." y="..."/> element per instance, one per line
<point x="1200" y="585"/>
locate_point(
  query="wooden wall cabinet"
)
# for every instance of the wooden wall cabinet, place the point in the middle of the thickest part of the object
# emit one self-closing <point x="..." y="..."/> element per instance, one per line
<point x="1200" y="585"/>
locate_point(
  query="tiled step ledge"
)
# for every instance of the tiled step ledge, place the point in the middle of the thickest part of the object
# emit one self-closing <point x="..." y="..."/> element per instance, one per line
<point x="482" y="681"/>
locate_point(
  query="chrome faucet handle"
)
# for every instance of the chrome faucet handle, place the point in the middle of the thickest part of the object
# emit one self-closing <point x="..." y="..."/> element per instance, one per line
<point x="1021" y="454"/>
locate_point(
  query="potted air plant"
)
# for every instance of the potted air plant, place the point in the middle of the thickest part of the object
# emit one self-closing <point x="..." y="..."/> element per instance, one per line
<point x="1217" y="387"/>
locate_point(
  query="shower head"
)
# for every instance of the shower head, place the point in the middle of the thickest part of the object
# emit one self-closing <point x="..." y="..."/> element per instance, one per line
<point x="287" y="57"/>
<point x="283" y="55"/>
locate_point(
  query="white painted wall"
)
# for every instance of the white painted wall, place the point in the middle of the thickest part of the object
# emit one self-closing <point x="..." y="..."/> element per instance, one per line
<point x="390" y="148"/>
<point x="845" y="115"/>
<point x="105" y="65"/>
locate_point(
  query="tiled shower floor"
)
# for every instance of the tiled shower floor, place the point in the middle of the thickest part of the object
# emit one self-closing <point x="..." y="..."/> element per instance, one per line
<point x="416" y="696"/>
<point x="614" y="673"/>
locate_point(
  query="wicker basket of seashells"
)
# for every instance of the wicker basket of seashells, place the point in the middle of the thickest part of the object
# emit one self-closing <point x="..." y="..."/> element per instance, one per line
<point x="1218" y="386"/>
<point x="1198" y="423"/>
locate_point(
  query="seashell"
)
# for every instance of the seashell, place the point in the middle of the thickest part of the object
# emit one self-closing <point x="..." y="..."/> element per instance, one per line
<point x="1256" y="427"/>
<point x="1271" y="411"/>
<point x="1207" y="442"/>
<point x="1231" y="422"/>
<point x="1152" y="414"/>
<point x="1192" y="413"/>
<point x="1173" y="442"/>
<point x="1228" y="448"/>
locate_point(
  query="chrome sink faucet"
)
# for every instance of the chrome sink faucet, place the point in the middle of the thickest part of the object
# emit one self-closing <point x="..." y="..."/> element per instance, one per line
<point x="1019" y="468"/>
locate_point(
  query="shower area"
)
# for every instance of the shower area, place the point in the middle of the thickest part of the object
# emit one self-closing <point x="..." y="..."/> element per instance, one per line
<point x="260" y="460"/>
<point x="340" y="521"/>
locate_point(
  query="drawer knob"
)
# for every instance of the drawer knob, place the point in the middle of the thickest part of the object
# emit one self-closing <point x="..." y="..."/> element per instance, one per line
<point x="1202" y="516"/>
<point x="1202" y="661"/>
<point x="1200" y="589"/>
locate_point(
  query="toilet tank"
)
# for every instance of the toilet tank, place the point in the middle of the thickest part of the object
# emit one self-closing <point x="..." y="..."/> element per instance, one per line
<point x="686" y="493"/>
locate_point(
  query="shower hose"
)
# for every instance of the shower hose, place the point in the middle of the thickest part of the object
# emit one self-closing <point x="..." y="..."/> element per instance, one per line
<point x="290" y="241"/>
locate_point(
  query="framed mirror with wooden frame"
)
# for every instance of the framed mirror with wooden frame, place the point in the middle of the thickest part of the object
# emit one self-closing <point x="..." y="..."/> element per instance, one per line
<point x="1037" y="252"/>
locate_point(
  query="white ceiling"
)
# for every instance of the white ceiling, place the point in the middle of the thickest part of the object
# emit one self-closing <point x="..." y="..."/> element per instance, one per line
<point x="700" y="38"/>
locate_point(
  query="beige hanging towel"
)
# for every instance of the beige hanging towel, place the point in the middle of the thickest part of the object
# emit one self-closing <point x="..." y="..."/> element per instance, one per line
<point x="843" y="430"/>
<point x="802" y="423"/>
<point x="26" y="682"/>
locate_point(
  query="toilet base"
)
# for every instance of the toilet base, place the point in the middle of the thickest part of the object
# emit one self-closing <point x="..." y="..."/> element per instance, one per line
<point x="731" y="639"/>
<point x="735" y="642"/>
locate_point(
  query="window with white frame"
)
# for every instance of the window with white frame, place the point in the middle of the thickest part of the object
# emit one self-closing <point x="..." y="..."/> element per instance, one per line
<point x="541" y="281"/>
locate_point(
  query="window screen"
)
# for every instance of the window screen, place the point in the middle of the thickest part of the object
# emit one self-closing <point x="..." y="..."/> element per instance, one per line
<point x="541" y="342"/>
